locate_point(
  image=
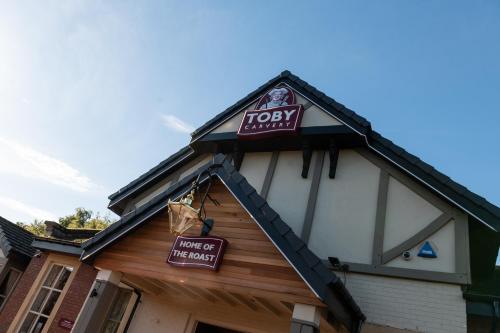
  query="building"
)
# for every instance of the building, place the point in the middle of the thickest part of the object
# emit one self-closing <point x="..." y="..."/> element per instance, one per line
<point x="55" y="283"/>
<point x="309" y="221"/>
<point x="15" y="254"/>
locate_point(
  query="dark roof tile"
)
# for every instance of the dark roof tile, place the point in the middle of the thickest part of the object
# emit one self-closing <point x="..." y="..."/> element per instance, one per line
<point x="281" y="226"/>
<point x="257" y="199"/>
<point x="311" y="259"/>
<point x="15" y="238"/>
<point x="269" y="213"/>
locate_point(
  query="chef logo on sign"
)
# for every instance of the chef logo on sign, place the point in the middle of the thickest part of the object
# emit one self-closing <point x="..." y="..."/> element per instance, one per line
<point x="276" y="113"/>
<point x="276" y="97"/>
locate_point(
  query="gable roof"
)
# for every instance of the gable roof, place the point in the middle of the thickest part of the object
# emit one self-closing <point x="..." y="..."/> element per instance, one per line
<point x="347" y="116"/>
<point x="151" y="176"/>
<point x="475" y="205"/>
<point x="15" y="238"/>
<point x="322" y="281"/>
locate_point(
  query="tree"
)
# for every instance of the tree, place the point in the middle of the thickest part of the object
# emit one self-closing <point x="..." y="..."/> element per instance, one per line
<point x="81" y="219"/>
<point x="37" y="227"/>
<point x="85" y="219"/>
<point x="76" y="220"/>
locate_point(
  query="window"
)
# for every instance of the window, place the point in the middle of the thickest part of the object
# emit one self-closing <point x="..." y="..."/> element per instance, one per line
<point x="45" y="299"/>
<point x="8" y="284"/>
<point x="120" y="311"/>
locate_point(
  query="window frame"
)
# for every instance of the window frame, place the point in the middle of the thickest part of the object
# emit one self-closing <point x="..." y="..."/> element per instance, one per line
<point x="128" y="309"/>
<point x="7" y="270"/>
<point x="50" y="290"/>
<point x="51" y="258"/>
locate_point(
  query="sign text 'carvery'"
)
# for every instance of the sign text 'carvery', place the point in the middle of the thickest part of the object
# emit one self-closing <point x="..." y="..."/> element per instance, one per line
<point x="276" y="114"/>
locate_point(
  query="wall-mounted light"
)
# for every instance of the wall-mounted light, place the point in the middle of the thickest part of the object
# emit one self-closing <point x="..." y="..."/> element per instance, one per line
<point x="183" y="216"/>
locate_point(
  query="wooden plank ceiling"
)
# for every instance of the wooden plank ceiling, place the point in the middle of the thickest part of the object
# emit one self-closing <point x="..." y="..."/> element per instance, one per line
<point x="253" y="272"/>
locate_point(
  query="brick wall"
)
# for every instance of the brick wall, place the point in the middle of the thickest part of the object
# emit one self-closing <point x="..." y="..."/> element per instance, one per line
<point x="75" y="297"/>
<point x="21" y="290"/>
<point x="408" y="304"/>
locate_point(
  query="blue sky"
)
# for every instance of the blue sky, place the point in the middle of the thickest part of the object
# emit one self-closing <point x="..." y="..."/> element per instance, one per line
<point x="93" y="94"/>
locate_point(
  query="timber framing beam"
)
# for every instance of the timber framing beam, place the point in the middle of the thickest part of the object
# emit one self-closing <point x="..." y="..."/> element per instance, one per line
<point x="378" y="237"/>
<point x="334" y="157"/>
<point x="420" y="236"/>
<point x="313" y="196"/>
<point x="405" y="273"/>
<point x="266" y="185"/>
<point x="238" y="155"/>
<point x="406" y="180"/>
<point x="306" y="158"/>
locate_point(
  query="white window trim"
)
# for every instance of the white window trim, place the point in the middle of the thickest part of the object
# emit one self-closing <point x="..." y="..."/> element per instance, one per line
<point x="129" y="309"/>
<point x="50" y="290"/>
<point x="51" y="260"/>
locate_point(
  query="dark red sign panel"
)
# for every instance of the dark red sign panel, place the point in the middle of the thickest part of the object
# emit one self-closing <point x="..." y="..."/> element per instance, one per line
<point x="66" y="323"/>
<point x="199" y="252"/>
<point x="276" y="114"/>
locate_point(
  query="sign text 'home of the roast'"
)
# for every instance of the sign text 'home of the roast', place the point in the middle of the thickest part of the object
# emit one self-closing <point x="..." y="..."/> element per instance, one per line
<point x="276" y="114"/>
<point x="199" y="252"/>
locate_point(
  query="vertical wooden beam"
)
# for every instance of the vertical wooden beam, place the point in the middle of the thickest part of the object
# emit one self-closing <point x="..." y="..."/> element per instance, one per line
<point x="378" y="236"/>
<point x="238" y="155"/>
<point x="266" y="185"/>
<point x="334" y="157"/>
<point x="462" y="253"/>
<point x="313" y="196"/>
<point x="306" y="158"/>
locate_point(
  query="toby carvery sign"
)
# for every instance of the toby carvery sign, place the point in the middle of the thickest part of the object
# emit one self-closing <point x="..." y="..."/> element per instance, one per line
<point x="199" y="252"/>
<point x="276" y="114"/>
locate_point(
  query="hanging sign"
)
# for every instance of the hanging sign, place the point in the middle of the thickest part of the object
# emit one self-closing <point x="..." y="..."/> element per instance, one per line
<point x="200" y="252"/>
<point x="276" y="114"/>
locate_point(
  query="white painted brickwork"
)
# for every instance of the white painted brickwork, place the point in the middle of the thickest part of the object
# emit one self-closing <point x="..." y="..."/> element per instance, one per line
<point x="407" y="304"/>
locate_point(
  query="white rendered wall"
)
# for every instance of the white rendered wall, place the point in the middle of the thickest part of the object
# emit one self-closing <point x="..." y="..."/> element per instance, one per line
<point x="407" y="213"/>
<point x="289" y="191"/>
<point x="254" y="168"/>
<point x="344" y="220"/>
<point x="443" y="242"/>
<point x="233" y="124"/>
<point x="408" y="304"/>
<point x="314" y="116"/>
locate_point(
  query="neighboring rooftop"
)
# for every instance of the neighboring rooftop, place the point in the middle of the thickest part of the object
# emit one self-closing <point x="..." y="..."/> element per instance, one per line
<point x="15" y="238"/>
<point x="57" y="231"/>
<point x="57" y="245"/>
